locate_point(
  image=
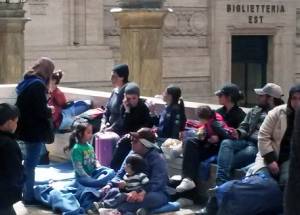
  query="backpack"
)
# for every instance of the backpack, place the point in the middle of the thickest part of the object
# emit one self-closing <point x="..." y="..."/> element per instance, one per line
<point x="253" y="195"/>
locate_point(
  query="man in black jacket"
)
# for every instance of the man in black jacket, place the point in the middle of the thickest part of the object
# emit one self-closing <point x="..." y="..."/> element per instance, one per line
<point x="134" y="115"/>
<point x="11" y="169"/>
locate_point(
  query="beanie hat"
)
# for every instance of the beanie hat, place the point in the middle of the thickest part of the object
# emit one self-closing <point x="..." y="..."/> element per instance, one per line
<point x="132" y="89"/>
<point x="8" y="112"/>
<point x="122" y="71"/>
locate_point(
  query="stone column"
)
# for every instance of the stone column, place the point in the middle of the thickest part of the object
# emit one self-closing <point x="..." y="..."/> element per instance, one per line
<point x="80" y="22"/>
<point x="141" y="46"/>
<point x="12" y="24"/>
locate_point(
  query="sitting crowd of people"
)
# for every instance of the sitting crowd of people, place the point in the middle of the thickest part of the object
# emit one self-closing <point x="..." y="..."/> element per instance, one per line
<point x="258" y="141"/>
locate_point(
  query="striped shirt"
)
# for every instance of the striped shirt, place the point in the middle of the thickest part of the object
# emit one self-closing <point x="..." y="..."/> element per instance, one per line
<point x="135" y="182"/>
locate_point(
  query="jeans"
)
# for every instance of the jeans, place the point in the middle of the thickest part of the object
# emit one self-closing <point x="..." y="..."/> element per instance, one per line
<point x="31" y="153"/>
<point x="68" y="114"/>
<point x="114" y="198"/>
<point x="122" y="149"/>
<point x="98" y="179"/>
<point x="152" y="200"/>
<point x="194" y="152"/>
<point x="234" y="154"/>
<point x="7" y="211"/>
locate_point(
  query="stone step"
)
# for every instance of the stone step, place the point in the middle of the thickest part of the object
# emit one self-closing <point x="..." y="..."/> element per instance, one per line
<point x="36" y="210"/>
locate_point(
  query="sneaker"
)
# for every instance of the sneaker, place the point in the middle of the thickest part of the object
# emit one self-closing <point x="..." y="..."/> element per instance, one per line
<point x="185" y="185"/>
<point x="142" y="211"/>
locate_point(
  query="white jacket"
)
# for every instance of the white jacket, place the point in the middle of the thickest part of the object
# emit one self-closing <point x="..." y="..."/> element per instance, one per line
<point x="270" y="136"/>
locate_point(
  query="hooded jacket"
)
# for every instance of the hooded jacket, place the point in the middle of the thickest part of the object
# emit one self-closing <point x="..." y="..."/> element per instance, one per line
<point x="34" y="122"/>
<point x="11" y="170"/>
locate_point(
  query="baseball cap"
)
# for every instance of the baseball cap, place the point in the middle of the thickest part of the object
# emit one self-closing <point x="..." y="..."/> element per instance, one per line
<point x="231" y="90"/>
<point x="270" y="89"/>
<point x="146" y="136"/>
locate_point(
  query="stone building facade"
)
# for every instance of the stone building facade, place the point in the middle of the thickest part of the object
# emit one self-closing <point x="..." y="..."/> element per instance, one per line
<point x="206" y="43"/>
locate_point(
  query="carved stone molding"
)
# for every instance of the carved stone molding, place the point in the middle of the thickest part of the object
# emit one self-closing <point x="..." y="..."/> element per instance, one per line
<point x="182" y="22"/>
<point x="111" y="25"/>
<point x="186" y="22"/>
<point x="38" y="7"/>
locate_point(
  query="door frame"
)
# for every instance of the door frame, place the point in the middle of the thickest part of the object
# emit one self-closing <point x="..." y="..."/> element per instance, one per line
<point x="263" y="62"/>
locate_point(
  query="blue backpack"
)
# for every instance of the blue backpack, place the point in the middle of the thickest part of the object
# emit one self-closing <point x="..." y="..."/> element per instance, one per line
<point x="253" y="195"/>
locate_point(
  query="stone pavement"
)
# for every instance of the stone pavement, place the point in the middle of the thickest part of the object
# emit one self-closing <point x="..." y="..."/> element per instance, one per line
<point x="21" y="210"/>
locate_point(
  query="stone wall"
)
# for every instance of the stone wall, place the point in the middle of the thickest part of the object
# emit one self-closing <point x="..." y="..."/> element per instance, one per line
<point x="70" y="32"/>
<point x="84" y="40"/>
<point x="185" y="55"/>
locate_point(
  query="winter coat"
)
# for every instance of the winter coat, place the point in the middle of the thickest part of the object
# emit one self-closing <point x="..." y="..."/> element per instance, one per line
<point x="233" y="117"/>
<point x="11" y="170"/>
<point x="270" y="136"/>
<point x="58" y="101"/>
<point x="34" y="123"/>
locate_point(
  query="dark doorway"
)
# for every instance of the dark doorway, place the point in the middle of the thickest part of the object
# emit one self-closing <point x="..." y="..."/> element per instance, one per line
<point x="249" y="65"/>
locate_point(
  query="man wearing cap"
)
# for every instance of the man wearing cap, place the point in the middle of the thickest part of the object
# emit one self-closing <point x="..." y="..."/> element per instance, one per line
<point x="119" y="80"/>
<point x="134" y="115"/>
<point x="242" y="151"/>
<point x="143" y="142"/>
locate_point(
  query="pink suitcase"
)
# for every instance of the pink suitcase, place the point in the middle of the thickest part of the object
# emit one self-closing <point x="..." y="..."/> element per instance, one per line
<point x="104" y="144"/>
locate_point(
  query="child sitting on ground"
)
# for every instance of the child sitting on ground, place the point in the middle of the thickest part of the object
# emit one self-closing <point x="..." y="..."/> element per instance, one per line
<point x="133" y="180"/>
<point x="86" y="166"/>
<point x="11" y="169"/>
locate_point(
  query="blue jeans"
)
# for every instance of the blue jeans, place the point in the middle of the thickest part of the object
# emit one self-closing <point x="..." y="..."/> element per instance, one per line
<point x="152" y="200"/>
<point x="234" y="154"/>
<point x="98" y="179"/>
<point x="114" y="198"/>
<point x="69" y="114"/>
<point x="31" y="153"/>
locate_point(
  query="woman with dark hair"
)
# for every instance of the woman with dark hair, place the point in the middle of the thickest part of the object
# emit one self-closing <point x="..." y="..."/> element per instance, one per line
<point x="64" y="113"/>
<point x="119" y="79"/>
<point x="57" y="98"/>
<point x="34" y="127"/>
<point x="229" y="96"/>
<point x="172" y="119"/>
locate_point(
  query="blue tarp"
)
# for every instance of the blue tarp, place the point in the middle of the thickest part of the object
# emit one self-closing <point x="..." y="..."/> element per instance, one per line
<point x="57" y="189"/>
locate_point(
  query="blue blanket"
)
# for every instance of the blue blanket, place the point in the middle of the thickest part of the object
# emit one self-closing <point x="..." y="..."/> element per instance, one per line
<point x="56" y="188"/>
<point x="45" y="174"/>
